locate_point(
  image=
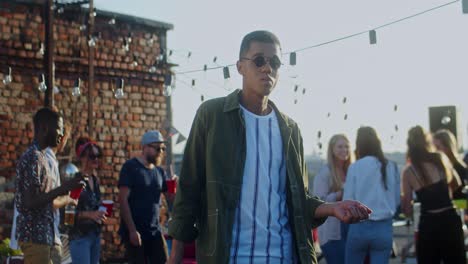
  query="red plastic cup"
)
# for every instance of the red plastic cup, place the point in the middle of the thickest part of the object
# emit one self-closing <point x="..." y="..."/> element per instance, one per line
<point x="109" y="204"/>
<point x="75" y="193"/>
<point x="171" y="186"/>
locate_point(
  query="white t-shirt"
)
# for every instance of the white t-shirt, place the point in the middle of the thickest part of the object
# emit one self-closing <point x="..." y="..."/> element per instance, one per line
<point x="261" y="227"/>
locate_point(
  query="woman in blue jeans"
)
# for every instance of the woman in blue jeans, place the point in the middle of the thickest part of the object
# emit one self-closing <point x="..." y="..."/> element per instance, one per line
<point x="328" y="185"/>
<point x="85" y="234"/>
<point x="374" y="181"/>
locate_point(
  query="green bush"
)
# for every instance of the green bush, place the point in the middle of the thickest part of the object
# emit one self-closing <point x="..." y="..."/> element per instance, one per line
<point x="6" y="251"/>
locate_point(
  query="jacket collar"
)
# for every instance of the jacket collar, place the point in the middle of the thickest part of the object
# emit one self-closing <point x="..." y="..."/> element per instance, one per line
<point x="232" y="103"/>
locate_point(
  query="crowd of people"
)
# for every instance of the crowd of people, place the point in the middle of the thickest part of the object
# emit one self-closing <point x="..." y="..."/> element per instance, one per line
<point x="241" y="190"/>
<point x="40" y="194"/>
<point x="433" y="175"/>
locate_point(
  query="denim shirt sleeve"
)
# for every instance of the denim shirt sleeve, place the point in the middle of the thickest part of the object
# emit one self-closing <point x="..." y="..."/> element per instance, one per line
<point x="187" y="201"/>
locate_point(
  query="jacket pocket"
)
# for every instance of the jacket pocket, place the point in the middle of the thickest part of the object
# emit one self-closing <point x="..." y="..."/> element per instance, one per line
<point x="208" y="237"/>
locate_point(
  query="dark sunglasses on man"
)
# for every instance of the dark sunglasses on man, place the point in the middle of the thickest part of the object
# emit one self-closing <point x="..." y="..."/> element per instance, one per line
<point x="261" y="61"/>
<point x="158" y="148"/>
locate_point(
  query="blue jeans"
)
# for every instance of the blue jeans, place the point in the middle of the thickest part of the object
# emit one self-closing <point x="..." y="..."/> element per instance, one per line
<point x="86" y="249"/>
<point x="334" y="250"/>
<point x="373" y="237"/>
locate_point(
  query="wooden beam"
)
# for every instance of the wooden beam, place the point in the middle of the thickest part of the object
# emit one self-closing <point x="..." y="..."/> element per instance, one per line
<point x="49" y="53"/>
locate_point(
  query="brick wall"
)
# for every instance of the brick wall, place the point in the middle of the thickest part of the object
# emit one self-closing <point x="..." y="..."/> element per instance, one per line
<point x="118" y="124"/>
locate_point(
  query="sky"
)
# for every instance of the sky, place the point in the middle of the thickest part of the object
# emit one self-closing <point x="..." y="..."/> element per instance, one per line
<point x="415" y="64"/>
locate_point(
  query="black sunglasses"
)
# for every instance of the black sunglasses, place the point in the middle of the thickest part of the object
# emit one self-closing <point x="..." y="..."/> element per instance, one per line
<point x="93" y="156"/>
<point x="158" y="149"/>
<point x="261" y="61"/>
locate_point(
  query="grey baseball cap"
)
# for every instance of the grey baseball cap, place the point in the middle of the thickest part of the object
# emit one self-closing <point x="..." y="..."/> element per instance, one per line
<point x="152" y="136"/>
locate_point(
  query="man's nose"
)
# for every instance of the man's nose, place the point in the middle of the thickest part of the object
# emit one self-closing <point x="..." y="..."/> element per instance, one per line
<point x="267" y="68"/>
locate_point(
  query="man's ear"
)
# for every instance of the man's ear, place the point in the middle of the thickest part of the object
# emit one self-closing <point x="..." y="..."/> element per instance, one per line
<point x="240" y="67"/>
<point x="43" y="129"/>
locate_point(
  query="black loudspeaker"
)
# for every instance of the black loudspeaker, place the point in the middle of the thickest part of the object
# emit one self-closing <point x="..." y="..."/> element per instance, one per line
<point x="445" y="117"/>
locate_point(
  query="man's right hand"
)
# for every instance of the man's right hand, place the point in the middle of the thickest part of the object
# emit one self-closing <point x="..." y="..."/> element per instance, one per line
<point x="135" y="238"/>
<point x="77" y="182"/>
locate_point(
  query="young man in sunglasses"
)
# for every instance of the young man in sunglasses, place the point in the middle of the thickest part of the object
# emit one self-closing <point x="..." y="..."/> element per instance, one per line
<point x="241" y="192"/>
<point x="141" y="183"/>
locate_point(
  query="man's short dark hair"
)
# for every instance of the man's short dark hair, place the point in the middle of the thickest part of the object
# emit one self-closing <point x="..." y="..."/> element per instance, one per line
<point x="257" y="36"/>
<point x="45" y="116"/>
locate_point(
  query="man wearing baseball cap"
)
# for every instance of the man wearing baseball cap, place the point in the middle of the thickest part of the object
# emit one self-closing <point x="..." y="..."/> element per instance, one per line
<point x="141" y="183"/>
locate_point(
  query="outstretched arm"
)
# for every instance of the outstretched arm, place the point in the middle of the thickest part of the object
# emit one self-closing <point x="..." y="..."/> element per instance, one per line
<point x="346" y="211"/>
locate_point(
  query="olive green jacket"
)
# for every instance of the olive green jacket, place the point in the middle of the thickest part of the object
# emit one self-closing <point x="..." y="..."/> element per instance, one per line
<point x="211" y="179"/>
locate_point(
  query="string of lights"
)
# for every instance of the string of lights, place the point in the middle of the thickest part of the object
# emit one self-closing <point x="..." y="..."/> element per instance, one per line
<point x="372" y="36"/>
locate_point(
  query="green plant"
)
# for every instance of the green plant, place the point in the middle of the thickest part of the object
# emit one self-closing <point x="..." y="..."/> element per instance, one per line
<point x="6" y="251"/>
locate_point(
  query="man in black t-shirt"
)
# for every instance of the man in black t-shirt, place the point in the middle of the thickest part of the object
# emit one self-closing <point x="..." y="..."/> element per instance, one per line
<point x="141" y="183"/>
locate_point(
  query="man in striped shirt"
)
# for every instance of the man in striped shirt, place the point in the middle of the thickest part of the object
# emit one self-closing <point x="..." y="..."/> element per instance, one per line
<point x="241" y="193"/>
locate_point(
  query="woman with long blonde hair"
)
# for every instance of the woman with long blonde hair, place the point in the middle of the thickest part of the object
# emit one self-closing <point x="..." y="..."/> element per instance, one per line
<point x="328" y="185"/>
<point x="445" y="141"/>
<point x="431" y="176"/>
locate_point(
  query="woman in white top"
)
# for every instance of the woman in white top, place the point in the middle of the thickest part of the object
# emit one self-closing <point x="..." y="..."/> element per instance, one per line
<point x="374" y="181"/>
<point x="328" y="185"/>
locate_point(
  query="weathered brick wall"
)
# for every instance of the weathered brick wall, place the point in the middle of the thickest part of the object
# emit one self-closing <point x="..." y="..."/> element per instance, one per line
<point x="118" y="124"/>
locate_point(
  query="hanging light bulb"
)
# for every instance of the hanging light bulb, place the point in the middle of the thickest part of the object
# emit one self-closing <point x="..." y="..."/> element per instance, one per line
<point x="125" y="45"/>
<point x="60" y="10"/>
<point x="152" y="69"/>
<point x="135" y="61"/>
<point x="372" y="37"/>
<point x="173" y="83"/>
<point x="42" y="85"/>
<point x="227" y="84"/>
<point x="92" y="42"/>
<point x="167" y="91"/>
<point x="160" y="57"/>
<point x="226" y="73"/>
<point x="41" y="49"/>
<point x="292" y="58"/>
<point x="119" y="92"/>
<point x="76" y="91"/>
<point x="111" y="21"/>
<point x="168" y="85"/>
<point x="8" y="79"/>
